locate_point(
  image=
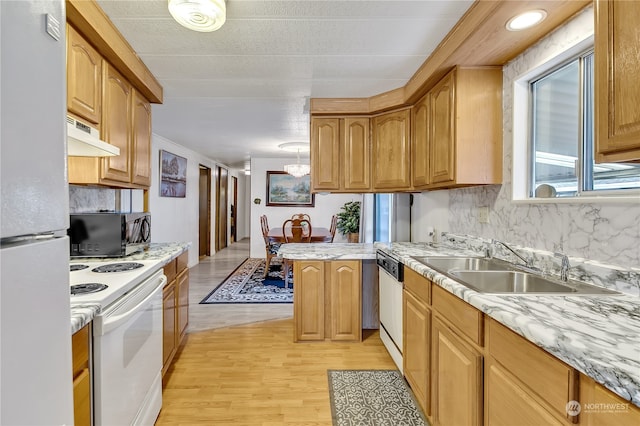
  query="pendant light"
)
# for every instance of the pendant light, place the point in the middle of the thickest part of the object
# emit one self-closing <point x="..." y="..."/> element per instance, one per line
<point x="298" y="169"/>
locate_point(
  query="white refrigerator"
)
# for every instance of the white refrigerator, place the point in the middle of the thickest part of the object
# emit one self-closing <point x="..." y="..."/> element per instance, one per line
<point x="35" y="331"/>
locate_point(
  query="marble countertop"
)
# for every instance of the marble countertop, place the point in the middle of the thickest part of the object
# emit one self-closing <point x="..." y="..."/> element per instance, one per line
<point x="84" y="313"/>
<point x="327" y="251"/>
<point x="597" y="335"/>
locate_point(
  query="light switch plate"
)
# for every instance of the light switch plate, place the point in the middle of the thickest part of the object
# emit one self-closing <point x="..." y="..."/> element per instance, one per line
<point x="483" y="214"/>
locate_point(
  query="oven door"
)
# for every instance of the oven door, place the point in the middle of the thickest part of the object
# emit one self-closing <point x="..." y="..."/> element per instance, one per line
<point x="128" y="357"/>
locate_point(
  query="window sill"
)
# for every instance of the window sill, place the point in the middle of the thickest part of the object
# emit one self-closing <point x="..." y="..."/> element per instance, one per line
<point x="627" y="199"/>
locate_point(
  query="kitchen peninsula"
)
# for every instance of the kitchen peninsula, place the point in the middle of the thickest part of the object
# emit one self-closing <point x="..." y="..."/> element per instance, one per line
<point x="595" y="338"/>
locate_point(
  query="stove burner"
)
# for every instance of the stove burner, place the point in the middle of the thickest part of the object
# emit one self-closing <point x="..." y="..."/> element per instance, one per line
<point x="118" y="267"/>
<point x="77" y="267"/>
<point x="86" y="288"/>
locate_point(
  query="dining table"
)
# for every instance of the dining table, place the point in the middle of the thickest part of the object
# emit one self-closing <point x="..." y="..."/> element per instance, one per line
<point x="318" y="235"/>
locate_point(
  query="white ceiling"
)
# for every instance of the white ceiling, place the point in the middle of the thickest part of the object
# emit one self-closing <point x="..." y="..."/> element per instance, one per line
<point x="241" y="91"/>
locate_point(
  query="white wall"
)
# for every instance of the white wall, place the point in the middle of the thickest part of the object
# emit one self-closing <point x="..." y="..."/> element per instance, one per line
<point x="325" y="205"/>
<point x="607" y="232"/>
<point x="176" y="219"/>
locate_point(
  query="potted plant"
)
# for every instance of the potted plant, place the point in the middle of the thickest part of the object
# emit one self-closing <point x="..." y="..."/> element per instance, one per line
<point x="349" y="221"/>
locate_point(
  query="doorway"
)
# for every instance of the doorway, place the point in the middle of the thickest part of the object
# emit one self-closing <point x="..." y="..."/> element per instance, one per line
<point x="234" y="209"/>
<point x="204" y="212"/>
<point x="222" y="201"/>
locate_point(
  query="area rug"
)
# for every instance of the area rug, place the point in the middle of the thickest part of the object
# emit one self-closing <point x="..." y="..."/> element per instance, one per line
<point x="372" y="398"/>
<point x="247" y="285"/>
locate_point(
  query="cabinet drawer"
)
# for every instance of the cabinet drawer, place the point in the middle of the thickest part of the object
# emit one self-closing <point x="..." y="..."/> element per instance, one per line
<point x="547" y="376"/>
<point x="80" y="349"/>
<point x="170" y="270"/>
<point x="418" y="285"/>
<point x="459" y="313"/>
<point x="182" y="262"/>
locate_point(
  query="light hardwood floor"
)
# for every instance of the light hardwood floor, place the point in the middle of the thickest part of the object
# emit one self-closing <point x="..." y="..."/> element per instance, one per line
<point x="234" y="373"/>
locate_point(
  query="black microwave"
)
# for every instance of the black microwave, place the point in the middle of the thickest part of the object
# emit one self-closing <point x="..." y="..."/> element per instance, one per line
<point x="108" y="234"/>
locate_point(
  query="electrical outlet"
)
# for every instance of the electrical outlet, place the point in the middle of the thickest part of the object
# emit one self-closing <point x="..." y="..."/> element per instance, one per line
<point x="483" y="214"/>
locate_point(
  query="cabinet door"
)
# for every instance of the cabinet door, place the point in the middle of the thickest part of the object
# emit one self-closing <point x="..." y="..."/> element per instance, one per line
<point x="84" y="77"/>
<point x="441" y="131"/>
<point x="617" y="96"/>
<point x="115" y="124"/>
<point x="325" y="153"/>
<point x="356" y="154"/>
<point x="182" y="285"/>
<point x="391" y="151"/>
<point x="420" y="142"/>
<point x="169" y="329"/>
<point x="346" y="300"/>
<point x="507" y="402"/>
<point x="601" y="407"/>
<point x="141" y="140"/>
<point x="456" y="378"/>
<point x="417" y="345"/>
<point x="308" y="300"/>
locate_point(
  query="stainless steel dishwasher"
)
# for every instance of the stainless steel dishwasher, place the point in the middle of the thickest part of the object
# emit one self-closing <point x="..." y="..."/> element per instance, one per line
<point x="390" y="278"/>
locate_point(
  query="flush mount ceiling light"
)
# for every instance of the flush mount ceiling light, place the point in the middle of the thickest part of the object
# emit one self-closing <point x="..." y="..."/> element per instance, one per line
<point x="296" y="170"/>
<point x="199" y="15"/>
<point x="526" y="20"/>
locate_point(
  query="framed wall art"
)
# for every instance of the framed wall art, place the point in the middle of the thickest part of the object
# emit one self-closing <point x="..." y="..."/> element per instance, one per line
<point x="286" y="190"/>
<point x="173" y="175"/>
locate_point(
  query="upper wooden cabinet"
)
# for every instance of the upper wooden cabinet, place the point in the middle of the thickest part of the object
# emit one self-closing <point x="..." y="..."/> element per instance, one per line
<point x="116" y="128"/>
<point x="617" y="92"/>
<point x="420" y="143"/>
<point x="340" y="154"/>
<point x="141" y="140"/>
<point x="463" y="119"/>
<point x="391" y="151"/>
<point x="84" y="78"/>
<point x="126" y="123"/>
<point x="325" y="154"/>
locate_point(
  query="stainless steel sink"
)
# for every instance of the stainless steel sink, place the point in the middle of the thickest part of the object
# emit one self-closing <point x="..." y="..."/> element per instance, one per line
<point x="445" y="264"/>
<point x="500" y="277"/>
<point x="509" y="282"/>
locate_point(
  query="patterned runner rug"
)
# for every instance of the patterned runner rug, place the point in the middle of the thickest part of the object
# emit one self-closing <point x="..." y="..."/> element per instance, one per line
<point x="247" y="285"/>
<point x="372" y="398"/>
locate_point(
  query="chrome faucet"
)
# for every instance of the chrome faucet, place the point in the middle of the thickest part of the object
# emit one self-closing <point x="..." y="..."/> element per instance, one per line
<point x="564" y="269"/>
<point x="526" y="261"/>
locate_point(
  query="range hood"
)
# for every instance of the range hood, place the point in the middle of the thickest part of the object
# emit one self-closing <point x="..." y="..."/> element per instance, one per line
<point x="84" y="141"/>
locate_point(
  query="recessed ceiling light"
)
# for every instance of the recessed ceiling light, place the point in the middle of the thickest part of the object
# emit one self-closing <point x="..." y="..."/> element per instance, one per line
<point x="526" y="20"/>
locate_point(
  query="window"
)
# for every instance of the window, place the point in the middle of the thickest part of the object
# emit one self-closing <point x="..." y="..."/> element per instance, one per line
<point x="562" y="146"/>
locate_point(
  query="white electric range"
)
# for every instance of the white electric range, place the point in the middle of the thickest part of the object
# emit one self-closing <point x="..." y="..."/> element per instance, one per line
<point x="127" y="336"/>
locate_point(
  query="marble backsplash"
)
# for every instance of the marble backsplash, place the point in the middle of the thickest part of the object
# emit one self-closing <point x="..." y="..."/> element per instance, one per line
<point x="87" y="199"/>
<point x="607" y="232"/>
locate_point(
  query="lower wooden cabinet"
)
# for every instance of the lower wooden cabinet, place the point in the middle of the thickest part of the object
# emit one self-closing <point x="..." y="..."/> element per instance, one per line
<point x="601" y="407"/>
<point x="415" y="355"/>
<point x="81" y="377"/>
<point x="327" y="301"/>
<point x="456" y="378"/>
<point x="182" y="287"/>
<point x="175" y="309"/>
<point x="169" y="329"/>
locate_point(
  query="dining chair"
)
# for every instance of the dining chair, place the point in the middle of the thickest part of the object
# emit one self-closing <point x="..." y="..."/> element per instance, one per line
<point x="270" y="246"/>
<point x="301" y="216"/>
<point x="333" y="227"/>
<point x="294" y="231"/>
